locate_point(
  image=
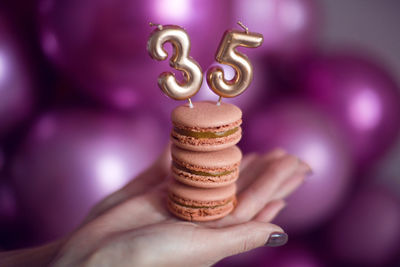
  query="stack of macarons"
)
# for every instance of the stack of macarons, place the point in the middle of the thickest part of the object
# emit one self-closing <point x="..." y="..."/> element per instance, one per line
<point x="205" y="160"/>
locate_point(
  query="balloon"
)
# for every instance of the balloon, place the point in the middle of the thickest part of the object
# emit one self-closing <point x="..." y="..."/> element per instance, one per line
<point x="290" y="256"/>
<point x="367" y="231"/>
<point x="102" y="44"/>
<point x="70" y="160"/>
<point x="8" y="206"/>
<point x="15" y="81"/>
<point x="288" y="26"/>
<point x="250" y="98"/>
<point x="307" y="133"/>
<point x="360" y="95"/>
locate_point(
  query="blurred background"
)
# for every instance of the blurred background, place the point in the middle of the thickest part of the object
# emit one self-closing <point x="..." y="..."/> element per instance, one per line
<point x="81" y="114"/>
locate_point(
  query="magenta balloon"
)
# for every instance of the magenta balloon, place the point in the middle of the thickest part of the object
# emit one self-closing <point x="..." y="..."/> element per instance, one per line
<point x="290" y="256"/>
<point x="250" y="98"/>
<point x="360" y="95"/>
<point x="367" y="231"/>
<point x="305" y="132"/>
<point x="15" y="81"/>
<point x="71" y="160"/>
<point x="102" y="44"/>
<point x="8" y="205"/>
<point x="288" y="26"/>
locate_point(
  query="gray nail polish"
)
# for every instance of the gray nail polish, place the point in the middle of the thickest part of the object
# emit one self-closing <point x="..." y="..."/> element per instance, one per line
<point x="277" y="239"/>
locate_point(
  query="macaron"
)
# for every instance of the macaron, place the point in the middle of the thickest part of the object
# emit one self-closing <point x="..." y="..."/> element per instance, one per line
<point x="206" y="170"/>
<point x="199" y="204"/>
<point x="206" y="126"/>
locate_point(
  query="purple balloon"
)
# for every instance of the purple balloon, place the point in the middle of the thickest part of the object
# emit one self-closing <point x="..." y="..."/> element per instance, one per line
<point x="15" y="81"/>
<point x="360" y="95"/>
<point x="102" y="44"/>
<point x="303" y="131"/>
<point x="71" y="160"/>
<point x="288" y="26"/>
<point x="8" y="205"/>
<point x="367" y="231"/>
<point x="290" y="256"/>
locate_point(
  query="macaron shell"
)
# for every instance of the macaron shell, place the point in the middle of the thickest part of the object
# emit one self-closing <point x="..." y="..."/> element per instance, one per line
<point x="200" y="214"/>
<point x="224" y="159"/>
<point x="206" y="114"/>
<point x="201" y="194"/>
<point x="205" y="144"/>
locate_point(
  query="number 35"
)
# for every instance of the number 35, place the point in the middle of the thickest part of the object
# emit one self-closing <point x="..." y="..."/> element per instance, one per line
<point x="227" y="54"/>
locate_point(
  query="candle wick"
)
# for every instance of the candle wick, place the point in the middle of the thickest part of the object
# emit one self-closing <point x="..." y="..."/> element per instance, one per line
<point x="190" y="103"/>
<point x="219" y="101"/>
<point x="159" y="26"/>
<point x="243" y="26"/>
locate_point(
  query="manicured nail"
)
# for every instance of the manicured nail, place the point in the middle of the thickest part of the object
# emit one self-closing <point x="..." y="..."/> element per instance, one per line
<point x="277" y="239"/>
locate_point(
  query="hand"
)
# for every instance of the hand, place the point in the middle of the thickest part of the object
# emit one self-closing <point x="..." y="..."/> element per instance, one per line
<point x="132" y="227"/>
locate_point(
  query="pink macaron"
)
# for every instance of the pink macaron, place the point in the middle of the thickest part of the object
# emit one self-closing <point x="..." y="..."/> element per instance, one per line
<point x="199" y="204"/>
<point x="206" y="170"/>
<point x="206" y="126"/>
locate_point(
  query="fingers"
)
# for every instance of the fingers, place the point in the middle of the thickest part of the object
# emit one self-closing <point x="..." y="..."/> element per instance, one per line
<point x="247" y="159"/>
<point x="289" y="186"/>
<point x="261" y="191"/>
<point x="152" y="176"/>
<point x="270" y="211"/>
<point x="224" y="242"/>
<point x="136" y="212"/>
<point x="253" y="167"/>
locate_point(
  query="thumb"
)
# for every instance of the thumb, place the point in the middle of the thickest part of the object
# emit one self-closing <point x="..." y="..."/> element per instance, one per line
<point x="224" y="242"/>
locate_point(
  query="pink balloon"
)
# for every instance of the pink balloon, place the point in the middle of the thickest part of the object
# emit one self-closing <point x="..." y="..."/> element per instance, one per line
<point x="288" y="26"/>
<point x="250" y="98"/>
<point x="303" y="131"/>
<point x="71" y="160"/>
<point x="15" y="81"/>
<point x="360" y="95"/>
<point x="102" y="44"/>
<point x="367" y="231"/>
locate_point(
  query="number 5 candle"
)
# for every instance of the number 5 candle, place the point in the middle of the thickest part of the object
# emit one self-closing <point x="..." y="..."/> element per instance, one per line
<point x="228" y="55"/>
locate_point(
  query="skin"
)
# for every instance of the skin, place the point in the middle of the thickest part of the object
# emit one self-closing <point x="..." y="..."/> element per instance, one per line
<point x="132" y="227"/>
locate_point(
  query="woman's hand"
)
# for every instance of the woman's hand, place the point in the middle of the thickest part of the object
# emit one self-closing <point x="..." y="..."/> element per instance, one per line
<point x="132" y="227"/>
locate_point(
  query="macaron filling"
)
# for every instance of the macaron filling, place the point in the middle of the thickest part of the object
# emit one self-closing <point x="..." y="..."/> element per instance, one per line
<point x="205" y="134"/>
<point x="216" y="174"/>
<point x="200" y="205"/>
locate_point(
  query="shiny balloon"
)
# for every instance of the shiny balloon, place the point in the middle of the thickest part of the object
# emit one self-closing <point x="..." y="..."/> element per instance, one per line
<point x="228" y="55"/>
<point x="71" y="160"/>
<point x="360" y="95"/>
<point x="8" y="206"/>
<point x="291" y="255"/>
<point x="101" y="45"/>
<point x="367" y="231"/>
<point x="16" y="86"/>
<point x="288" y="26"/>
<point x="307" y="133"/>
<point x="180" y="60"/>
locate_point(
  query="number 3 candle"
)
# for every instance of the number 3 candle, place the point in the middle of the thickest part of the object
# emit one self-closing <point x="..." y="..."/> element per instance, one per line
<point x="228" y="55"/>
<point x="180" y="60"/>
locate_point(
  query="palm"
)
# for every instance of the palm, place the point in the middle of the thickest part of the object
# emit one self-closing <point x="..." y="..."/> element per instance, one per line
<point x="139" y="209"/>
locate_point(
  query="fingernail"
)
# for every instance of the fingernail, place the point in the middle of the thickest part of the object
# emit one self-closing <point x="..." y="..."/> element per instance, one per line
<point x="277" y="239"/>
